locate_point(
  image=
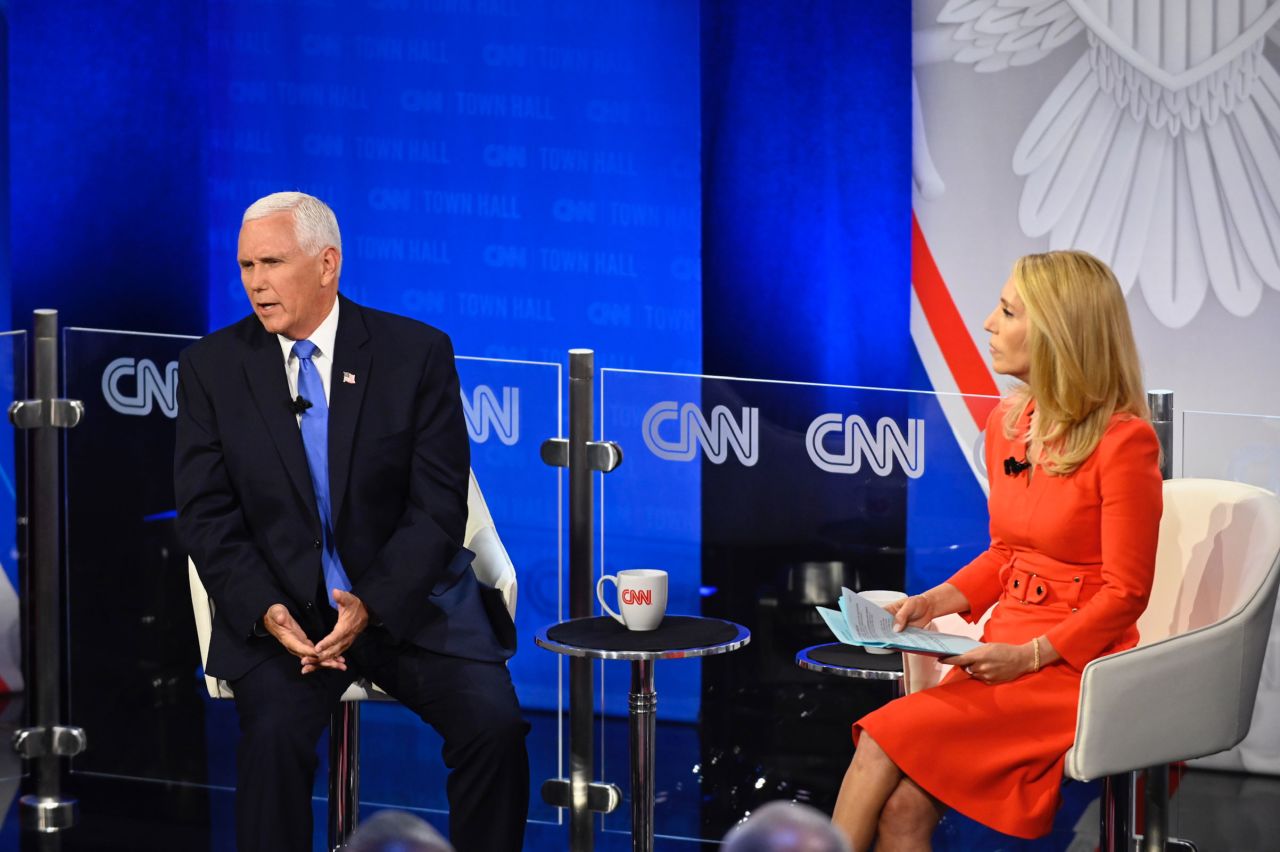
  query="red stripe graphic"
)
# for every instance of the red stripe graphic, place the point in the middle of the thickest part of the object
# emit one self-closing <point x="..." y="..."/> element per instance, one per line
<point x="966" y="363"/>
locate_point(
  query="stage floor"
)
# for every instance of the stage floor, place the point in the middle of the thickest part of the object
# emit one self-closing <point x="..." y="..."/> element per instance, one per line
<point x="1219" y="812"/>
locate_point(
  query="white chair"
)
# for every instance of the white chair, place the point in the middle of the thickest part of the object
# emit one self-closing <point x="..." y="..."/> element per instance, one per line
<point x="492" y="566"/>
<point x="1188" y="689"/>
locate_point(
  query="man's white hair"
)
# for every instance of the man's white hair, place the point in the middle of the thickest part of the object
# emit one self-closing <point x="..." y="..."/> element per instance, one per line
<point x="314" y="224"/>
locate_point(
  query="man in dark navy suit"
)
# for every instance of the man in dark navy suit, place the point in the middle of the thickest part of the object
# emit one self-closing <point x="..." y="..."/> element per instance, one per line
<point x="321" y="474"/>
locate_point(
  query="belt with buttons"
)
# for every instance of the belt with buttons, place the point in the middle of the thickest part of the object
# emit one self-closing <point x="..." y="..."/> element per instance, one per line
<point x="1030" y="587"/>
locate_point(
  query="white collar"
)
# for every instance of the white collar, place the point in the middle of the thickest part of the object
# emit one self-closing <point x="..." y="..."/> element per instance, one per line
<point x="324" y="337"/>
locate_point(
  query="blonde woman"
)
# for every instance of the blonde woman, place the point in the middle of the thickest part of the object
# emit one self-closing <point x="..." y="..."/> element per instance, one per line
<point x="1075" y="506"/>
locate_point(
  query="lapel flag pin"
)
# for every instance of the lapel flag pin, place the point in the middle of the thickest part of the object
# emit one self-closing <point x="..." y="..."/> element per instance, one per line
<point x="348" y="378"/>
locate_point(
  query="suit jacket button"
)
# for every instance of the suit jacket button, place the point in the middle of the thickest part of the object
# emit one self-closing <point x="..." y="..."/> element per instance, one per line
<point x="316" y="544"/>
<point x="308" y="606"/>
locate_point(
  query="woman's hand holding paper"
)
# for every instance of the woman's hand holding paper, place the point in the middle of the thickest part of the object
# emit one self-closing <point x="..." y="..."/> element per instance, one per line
<point x="919" y="610"/>
<point x="995" y="662"/>
<point x="915" y="611"/>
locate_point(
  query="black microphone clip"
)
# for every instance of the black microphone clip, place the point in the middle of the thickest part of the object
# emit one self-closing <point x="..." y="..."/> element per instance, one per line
<point x="1013" y="467"/>
<point x="299" y="405"/>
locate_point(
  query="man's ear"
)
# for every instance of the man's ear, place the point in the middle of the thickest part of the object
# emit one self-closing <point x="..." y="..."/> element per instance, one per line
<point x="330" y="258"/>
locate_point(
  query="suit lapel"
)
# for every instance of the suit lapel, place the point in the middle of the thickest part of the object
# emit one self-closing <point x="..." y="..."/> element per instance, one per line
<point x="264" y="369"/>
<point x="350" y="359"/>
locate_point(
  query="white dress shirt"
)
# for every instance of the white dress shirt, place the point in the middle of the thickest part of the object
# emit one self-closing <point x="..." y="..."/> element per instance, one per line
<point x="324" y="338"/>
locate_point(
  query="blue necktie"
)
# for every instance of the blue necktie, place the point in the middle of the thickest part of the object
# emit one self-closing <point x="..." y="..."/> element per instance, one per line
<point x="315" y="440"/>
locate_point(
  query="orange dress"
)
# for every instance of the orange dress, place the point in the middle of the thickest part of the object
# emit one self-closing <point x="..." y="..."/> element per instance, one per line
<point x="1071" y="559"/>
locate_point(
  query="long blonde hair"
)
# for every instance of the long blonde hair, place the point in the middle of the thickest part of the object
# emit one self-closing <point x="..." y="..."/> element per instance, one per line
<point x="1084" y="363"/>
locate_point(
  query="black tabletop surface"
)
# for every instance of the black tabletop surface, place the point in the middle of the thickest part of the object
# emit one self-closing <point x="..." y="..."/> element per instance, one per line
<point x="676" y="632"/>
<point x="855" y="657"/>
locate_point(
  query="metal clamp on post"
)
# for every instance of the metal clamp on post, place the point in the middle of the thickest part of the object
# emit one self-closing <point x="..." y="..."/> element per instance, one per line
<point x="603" y="456"/>
<point x="583" y="457"/>
<point x="34" y="413"/>
<point x="601" y="798"/>
<point x="46" y="741"/>
<point x="60" y="741"/>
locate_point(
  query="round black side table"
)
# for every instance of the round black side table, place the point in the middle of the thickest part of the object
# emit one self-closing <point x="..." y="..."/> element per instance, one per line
<point x="678" y="636"/>
<point x="852" y="661"/>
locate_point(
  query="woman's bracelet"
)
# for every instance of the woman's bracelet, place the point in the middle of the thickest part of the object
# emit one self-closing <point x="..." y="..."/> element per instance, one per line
<point x="1035" y="651"/>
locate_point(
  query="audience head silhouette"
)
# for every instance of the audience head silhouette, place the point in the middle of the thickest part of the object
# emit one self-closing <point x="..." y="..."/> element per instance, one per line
<point x="396" y="831"/>
<point x="785" y="827"/>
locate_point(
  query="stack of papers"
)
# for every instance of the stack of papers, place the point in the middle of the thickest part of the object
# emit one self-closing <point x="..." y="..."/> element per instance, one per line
<point x="860" y="622"/>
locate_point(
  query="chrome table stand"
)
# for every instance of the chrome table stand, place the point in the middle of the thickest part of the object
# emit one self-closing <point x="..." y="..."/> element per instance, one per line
<point x="637" y="647"/>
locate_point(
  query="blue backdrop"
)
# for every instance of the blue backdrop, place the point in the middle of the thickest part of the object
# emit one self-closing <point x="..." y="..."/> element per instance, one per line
<point x="806" y="201"/>
<point x="679" y="185"/>
<point x="523" y="175"/>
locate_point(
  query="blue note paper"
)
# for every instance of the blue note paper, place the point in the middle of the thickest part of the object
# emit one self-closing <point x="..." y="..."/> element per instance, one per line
<point x="860" y="622"/>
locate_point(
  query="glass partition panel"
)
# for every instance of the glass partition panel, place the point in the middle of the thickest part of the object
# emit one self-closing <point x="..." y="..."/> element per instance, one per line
<point x="131" y="650"/>
<point x="1239" y="447"/>
<point x="761" y="499"/>
<point x="511" y="407"/>
<point x="1242" y="448"/>
<point x="135" y="682"/>
<point x="13" y="386"/>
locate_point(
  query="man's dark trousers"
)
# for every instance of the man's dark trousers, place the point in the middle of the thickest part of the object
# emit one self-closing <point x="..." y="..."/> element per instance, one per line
<point x="471" y="704"/>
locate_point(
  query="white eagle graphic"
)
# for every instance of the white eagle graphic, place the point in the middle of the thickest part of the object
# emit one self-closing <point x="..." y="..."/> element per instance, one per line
<point x="1159" y="151"/>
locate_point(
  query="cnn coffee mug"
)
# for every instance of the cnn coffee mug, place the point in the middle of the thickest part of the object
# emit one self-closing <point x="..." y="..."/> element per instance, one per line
<point x="881" y="597"/>
<point x="642" y="597"/>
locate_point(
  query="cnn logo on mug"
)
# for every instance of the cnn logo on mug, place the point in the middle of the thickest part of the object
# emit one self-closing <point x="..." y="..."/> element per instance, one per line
<point x="642" y="597"/>
<point x="638" y="597"/>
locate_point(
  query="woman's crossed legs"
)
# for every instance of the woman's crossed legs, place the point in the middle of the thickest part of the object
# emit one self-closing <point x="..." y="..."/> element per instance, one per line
<point x="877" y="800"/>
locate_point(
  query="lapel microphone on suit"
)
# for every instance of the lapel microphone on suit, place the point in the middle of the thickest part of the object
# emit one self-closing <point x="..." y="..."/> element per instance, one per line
<point x="1013" y="467"/>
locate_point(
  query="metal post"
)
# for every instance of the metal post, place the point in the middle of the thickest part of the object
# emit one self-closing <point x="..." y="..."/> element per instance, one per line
<point x="643" y="704"/>
<point x="581" y="582"/>
<point x="1156" y="778"/>
<point x="1161" y="404"/>
<point x="46" y="811"/>
<point x="1155" y="836"/>
<point x="583" y="457"/>
<point x="1155" y="800"/>
<point x="45" y="563"/>
<point x="1117" y="825"/>
<point x="344" y="773"/>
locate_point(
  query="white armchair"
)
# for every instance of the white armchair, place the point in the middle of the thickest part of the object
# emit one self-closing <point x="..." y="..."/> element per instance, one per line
<point x="1188" y="689"/>
<point x="492" y="566"/>
<point x="1195" y="674"/>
